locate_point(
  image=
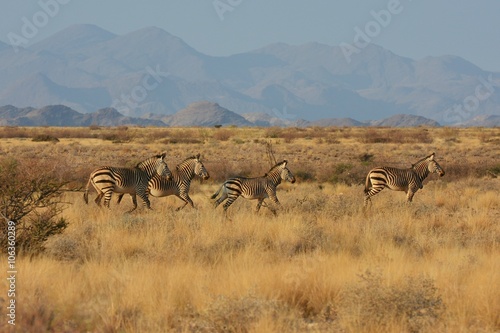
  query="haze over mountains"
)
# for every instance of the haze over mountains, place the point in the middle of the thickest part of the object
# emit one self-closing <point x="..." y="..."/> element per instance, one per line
<point x="153" y="74"/>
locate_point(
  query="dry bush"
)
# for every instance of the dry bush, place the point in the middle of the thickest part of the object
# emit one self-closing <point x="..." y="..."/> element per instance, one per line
<point x="182" y="136"/>
<point x="116" y="135"/>
<point x="223" y="134"/>
<point x="195" y="271"/>
<point x="14" y="132"/>
<point x="32" y="200"/>
<point x="374" y="305"/>
<point x="404" y="135"/>
<point x="231" y="314"/>
<point x="45" y="138"/>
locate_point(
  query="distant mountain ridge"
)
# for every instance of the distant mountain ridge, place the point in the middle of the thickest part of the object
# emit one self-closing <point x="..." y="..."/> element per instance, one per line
<point x="151" y="71"/>
<point x="198" y="114"/>
<point x="60" y="115"/>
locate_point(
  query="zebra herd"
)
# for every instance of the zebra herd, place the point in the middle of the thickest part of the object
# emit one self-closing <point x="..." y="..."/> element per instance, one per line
<point x="153" y="177"/>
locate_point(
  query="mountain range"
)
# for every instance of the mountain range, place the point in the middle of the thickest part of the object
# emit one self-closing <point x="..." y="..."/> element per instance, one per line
<point x="153" y="75"/>
<point x="201" y="114"/>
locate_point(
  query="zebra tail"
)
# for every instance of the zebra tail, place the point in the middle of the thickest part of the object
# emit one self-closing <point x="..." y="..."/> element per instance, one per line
<point x="368" y="183"/>
<point x="86" y="193"/>
<point x="217" y="193"/>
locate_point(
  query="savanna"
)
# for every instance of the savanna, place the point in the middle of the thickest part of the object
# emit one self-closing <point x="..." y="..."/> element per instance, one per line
<point x="321" y="264"/>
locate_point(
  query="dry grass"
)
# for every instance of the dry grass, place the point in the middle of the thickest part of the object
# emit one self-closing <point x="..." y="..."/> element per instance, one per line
<point x="321" y="265"/>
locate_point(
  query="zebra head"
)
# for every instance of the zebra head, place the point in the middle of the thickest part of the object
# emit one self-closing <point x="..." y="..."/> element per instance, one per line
<point x="199" y="168"/>
<point x="434" y="166"/>
<point x="286" y="174"/>
<point x="162" y="167"/>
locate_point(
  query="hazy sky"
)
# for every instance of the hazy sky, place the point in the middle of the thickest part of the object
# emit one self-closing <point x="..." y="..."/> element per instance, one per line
<point x="470" y="29"/>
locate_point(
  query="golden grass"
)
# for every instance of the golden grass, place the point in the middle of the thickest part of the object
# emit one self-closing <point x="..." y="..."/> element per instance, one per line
<point x="321" y="265"/>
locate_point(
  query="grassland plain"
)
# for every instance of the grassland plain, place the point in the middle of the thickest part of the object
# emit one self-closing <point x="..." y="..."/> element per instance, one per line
<point x="320" y="265"/>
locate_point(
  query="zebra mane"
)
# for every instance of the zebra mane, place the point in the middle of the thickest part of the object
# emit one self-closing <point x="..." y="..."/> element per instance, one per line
<point x="275" y="166"/>
<point x="194" y="157"/>
<point x="162" y="155"/>
<point x="421" y="160"/>
<point x="278" y="164"/>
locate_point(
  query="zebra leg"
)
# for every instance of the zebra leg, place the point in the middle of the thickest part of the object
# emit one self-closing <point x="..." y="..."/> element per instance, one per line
<point x="412" y="189"/>
<point x="223" y="197"/>
<point x="371" y="192"/>
<point x="134" y="201"/>
<point x="186" y="199"/>
<point x="97" y="200"/>
<point x="274" y="199"/>
<point x="145" y="199"/>
<point x="146" y="203"/>
<point x="229" y="201"/>
<point x="259" y="203"/>
<point x="409" y="196"/>
<point x="119" y="199"/>
<point x="107" y="198"/>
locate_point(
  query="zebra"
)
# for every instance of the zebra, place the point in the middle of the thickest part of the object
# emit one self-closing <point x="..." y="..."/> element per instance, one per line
<point x="184" y="172"/>
<point x="258" y="188"/>
<point x="408" y="180"/>
<point x="107" y="180"/>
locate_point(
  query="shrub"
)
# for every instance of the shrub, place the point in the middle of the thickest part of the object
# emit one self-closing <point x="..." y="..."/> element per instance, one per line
<point x="45" y="138"/>
<point x="398" y="135"/>
<point x="376" y="305"/>
<point x="223" y="134"/>
<point x="304" y="175"/>
<point x="31" y="200"/>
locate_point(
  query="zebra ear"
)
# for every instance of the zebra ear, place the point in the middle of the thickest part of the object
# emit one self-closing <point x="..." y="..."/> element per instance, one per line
<point x="198" y="156"/>
<point x="284" y="162"/>
<point x="431" y="157"/>
<point x="163" y="155"/>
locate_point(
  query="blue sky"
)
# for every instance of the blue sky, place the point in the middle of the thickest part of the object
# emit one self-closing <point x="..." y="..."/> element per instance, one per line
<point x="223" y="27"/>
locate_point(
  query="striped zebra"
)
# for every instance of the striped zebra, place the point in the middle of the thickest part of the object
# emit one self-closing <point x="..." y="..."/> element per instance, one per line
<point x="107" y="180"/>
<point x="408" y="180"/>
<point x="179" y="184"/>
<point x="258" y="188"/>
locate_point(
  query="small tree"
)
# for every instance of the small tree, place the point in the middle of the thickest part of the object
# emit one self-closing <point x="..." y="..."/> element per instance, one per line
<point x="30" y="196"/>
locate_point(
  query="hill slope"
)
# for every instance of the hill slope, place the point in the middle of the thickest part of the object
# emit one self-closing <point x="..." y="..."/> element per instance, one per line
<point x="150" y="70"/>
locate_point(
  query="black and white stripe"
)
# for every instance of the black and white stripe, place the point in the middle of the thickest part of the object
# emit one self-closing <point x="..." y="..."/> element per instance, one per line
<point x="180" y="183"/>
<point x="408" y="180"/>
<point x="108" y="180"/>
<point x="258" y="188"/>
